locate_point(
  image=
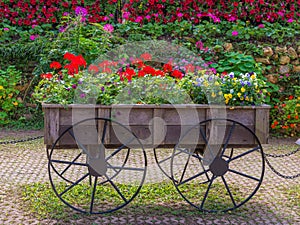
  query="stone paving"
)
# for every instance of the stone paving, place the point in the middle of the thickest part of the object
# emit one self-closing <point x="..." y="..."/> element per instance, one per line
<point x="271" y="205"/>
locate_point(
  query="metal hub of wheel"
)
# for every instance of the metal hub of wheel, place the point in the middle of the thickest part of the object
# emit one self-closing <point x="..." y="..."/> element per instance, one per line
<point x="226" y="174"/>
<point x="219" y="167"/>
<point x="95" y="177"/>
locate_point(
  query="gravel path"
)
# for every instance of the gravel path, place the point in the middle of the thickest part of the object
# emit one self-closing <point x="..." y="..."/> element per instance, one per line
<point x="25" y="163"/>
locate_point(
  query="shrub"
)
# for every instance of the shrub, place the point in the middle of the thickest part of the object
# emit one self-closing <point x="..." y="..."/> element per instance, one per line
<point x="9" y="102"/>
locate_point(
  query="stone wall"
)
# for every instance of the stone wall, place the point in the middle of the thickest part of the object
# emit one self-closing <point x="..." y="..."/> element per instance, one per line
<point x="282" y="60"/>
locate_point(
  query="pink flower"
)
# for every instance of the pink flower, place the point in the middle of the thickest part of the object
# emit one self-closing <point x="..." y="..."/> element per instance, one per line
<point x="213" y="70"/>
<point x="290" y="20"/>
<point x="126" y="15"/>
<point x="33" y="37"/>
<point x="108" y="27"/>
<point x="179" y="15"/>
<point x="6" y="29"/>
<point x="105" y="18"/>
<point x="261" y="25"/>
<point x="235" y="33"/>
<point x="138" y="19"/>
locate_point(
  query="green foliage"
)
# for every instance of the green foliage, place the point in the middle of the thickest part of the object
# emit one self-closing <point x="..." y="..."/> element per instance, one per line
<point x="152" y="90"/>
<point x="59" y="89"/>
<point x="9" y="101"/>
<point x="237" y="63"/>
<point x="77" y="37"/>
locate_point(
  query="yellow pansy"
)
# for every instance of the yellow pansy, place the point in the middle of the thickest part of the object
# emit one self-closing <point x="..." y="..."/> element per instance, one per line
<point x="239" y="94"/>
<point x="213" y="95"/>
<point x="1" y="87"/>
<point x="15" y="103"/>
<point x="253" y="76"/>
<point x="247" y="98"/>
<point x="243" y="89"/>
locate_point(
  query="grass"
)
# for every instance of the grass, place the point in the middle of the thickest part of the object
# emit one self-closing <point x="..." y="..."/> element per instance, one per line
<point x="154" y="199"/>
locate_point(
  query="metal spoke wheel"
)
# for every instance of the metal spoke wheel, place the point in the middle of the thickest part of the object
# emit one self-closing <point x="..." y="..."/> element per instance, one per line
<point x="215" y="174"/>
<point x="102" y="172"/>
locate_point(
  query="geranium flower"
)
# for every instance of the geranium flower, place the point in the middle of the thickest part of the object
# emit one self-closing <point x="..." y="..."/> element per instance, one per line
<point x="177" y="74"/>
<point x="93" y="68"/>
<point x="149" y="70"/>
<point x="46" y="76"/>
<point x="55" y="65"/>
<point x="146" y="56"/>
<point x="167" y="68"/>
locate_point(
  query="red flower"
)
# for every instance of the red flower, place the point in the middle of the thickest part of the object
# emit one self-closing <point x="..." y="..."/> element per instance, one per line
<point x="292" y="125"/>
<point x="289" y="117"/>
<point x="69" y="56"/>
<point x="146" y="56"/>
<point x="93" y="68"/>
<point x="128" y="74"/>
<point x="107" y="70"/>
<point x="275" y="106"/>
<point x="159" y="73"/>
<point x="141" y="73"/>
<point x="296" y="117"/>
<point x="76" y="62"/>
<point x="149" y="70"/>
<point x="167" y="68"/>
<point x="136" y="61"/>
<point x="189" y="68"/>
<point x="72" y="68"/>
<point x="291" y="97"/>
<point x="283" y="105"/>
<point x="177" y="74"/>
<point x="46" y="76"/>
<point x="55" y="65"/>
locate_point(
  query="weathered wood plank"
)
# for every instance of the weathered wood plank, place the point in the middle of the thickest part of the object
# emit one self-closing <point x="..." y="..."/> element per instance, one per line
<point x="161" y="125"/>
<point x="262" y="125"/>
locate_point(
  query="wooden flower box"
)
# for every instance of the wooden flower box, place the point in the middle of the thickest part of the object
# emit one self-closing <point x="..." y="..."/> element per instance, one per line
<point x="154" y="125"/>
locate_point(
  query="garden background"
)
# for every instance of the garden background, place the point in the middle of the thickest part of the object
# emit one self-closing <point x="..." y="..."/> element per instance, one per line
<point x="231" y="36"/>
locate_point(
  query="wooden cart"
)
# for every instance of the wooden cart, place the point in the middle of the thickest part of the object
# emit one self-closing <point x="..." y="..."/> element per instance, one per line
<point x="98" y="161"/>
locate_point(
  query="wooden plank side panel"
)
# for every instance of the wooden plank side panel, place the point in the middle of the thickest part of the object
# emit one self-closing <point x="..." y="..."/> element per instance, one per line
<point x="51" y="123"/>
<point x="262" y="125"/>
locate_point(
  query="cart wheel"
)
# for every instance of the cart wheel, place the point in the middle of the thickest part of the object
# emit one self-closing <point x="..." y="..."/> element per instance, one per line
<point x="231" y="161"/>
<point x="97" y="176"/>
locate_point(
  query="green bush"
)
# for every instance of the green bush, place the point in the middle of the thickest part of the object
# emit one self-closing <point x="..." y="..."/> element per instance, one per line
<point x="9" y="102"/>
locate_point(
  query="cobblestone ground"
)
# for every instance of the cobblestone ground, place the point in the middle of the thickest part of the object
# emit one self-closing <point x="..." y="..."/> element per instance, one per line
<point x="272" y="204"/>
